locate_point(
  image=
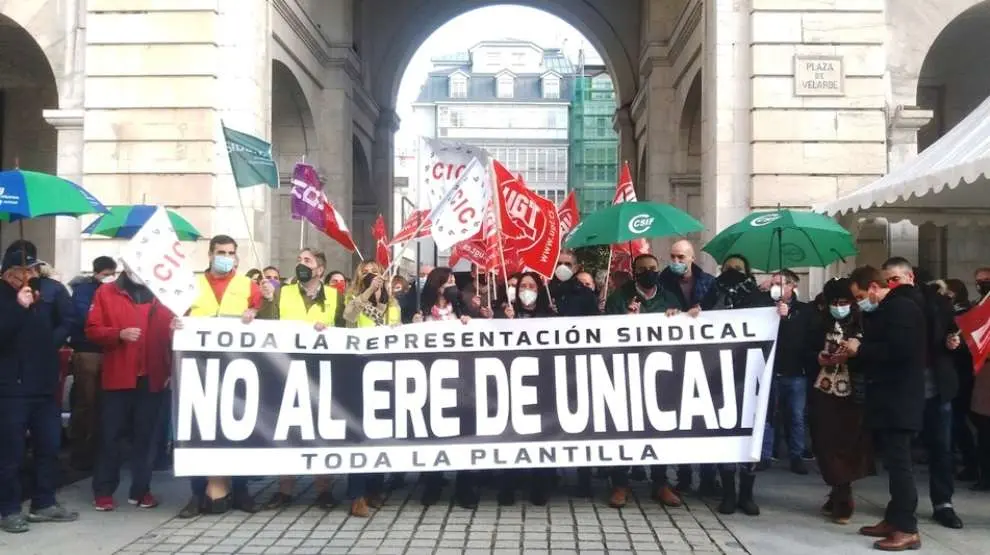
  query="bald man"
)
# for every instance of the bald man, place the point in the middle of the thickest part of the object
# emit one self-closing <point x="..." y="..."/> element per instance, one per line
<point x="689" y="284"/>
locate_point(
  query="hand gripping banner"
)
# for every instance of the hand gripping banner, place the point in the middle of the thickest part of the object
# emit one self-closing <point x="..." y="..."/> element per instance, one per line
<point x="280" y="398"/>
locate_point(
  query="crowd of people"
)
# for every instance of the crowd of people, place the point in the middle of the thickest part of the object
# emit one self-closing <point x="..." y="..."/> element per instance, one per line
<point x="872" y="368"/>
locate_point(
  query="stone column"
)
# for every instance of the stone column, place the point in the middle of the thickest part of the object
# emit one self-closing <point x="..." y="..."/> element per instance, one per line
<point x="902" y="147"/>
<point x="69" y="126"/>
<point x="383" y="164"/>
<point x="623" y="124"/>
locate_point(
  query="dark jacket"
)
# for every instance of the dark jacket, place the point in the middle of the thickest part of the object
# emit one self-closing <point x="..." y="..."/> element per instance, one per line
<point x="703" y="282"/>
<point x="618" y="301"/>
<point x="30" y="339"/>
<point x="892" y="355"/>
<point x="793" y="337"/>
<point x="734" y="290"/>
<point x="573" y="299"/>
<point x="83" y="290"/>
<point x="939" y="323"/>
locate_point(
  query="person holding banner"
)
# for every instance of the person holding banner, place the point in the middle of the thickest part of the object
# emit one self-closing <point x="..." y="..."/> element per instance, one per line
<point x="308" y="300"/>
<point x="223" y="294"/>
<point x="134" y="332"/>
<point x="368" y="304"/>
<point x="643" y="295"/>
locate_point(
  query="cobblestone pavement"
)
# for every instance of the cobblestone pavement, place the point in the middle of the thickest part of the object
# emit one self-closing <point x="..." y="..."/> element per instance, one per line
<point x="404" y="526"/>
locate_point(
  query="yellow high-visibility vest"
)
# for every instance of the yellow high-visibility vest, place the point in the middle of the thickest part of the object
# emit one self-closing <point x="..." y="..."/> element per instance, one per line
<point x="393" y="316"/>
<point x="236" y="298"/>
<point x="291" y="306"/>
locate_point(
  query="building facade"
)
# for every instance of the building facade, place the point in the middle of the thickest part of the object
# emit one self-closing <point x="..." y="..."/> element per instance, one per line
<point x="723" y="106"/>
<point x="594" y="144"/>
<point x="508" y="97"/>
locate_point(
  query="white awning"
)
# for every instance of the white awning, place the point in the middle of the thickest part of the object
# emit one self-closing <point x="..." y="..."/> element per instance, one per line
<point x="949" y="182"/>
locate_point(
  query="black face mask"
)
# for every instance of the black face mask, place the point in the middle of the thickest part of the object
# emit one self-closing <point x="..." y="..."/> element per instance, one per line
<point x="983" y="287"/>
<point x="303" y="273"/>
<point x="483" y="279"/>
<point x="731" y="277"/>
<point x="646" y="279"/>
<point x="366" y="282"/>
<point x="451" y="294"/>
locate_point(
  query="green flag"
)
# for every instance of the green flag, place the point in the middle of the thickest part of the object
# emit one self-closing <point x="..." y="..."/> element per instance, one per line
<point x="250" y="159"/>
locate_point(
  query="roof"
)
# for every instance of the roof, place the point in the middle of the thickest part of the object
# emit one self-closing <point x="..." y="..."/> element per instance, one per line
<point x="948" y="182"/>
<point x="481" y="88"/>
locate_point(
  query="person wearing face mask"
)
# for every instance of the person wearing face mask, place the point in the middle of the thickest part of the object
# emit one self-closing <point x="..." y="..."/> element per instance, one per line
<point x="962" y="360"/>
<point x="734" y="288"/>
<point x="135" y="332"/>
<point x="791" y="368"/>
<point x="85" y="367"/>
<point x="36" y="317"/>
<point x="569" y="296"/>
<point x="837" y="415"/>
<point x="941" y="383"/>
<point x="307" y="300"/>
<point x="892" y="353"/>
<point x="224" y="294"/>
<point x="642" y="295"/>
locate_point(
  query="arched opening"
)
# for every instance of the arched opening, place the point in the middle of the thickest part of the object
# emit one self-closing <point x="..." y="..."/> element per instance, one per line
<point x="955" y="79"/>
<point x="685" y="184"/>
<point x="365" y="202"/>
<point x="294" y="140"/>
<point x="27" y="87"/>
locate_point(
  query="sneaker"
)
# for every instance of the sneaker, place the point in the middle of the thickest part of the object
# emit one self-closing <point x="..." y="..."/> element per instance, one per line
<point x="55" y="513"/>
<point x="14" y="524"/>
<point x="326" y="501"/>
<point x="104" y="503"/>
<point x="193" y="508"/>
<point x="807" y="455"/>
<point x="146" y="501"/>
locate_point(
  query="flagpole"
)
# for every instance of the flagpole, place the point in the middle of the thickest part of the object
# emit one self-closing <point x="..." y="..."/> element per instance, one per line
<point x="240" y="201"/>
<point x="497" y="205"/>
<point x="608" y="273"/>
<point x="302" y="221"/>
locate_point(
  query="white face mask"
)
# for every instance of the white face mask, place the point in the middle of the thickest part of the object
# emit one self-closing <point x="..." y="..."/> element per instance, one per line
<point x="511" y="293"/>
<point x="776" y="292"/>
<point x="527" y="297"/>
<point x="563" y="272"/>
<point x="108" y="279"/>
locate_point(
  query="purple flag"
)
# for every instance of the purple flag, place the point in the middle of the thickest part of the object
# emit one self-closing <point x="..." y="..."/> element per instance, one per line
<point x="307" y="195"/>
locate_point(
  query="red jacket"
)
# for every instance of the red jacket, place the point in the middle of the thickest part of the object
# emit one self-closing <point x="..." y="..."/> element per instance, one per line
<point x="112" y="311"/>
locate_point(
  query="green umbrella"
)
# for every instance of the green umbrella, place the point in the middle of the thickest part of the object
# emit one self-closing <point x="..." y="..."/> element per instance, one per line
<point x="628" y="221"/>
<point x="123" y="222"/>
<point x="26" y="194"/>
<point x="784" y="239"/>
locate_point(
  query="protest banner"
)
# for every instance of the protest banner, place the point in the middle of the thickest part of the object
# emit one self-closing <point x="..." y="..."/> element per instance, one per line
<point x="280" y="398"/>
<point x="156" y="258"/>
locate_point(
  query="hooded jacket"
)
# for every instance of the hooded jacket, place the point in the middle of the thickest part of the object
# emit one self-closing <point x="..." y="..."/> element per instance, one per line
<point x="29" y="342"/>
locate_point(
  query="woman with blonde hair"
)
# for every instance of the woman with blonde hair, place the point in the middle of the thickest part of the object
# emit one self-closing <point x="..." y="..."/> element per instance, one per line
<point x="368" y="305"/>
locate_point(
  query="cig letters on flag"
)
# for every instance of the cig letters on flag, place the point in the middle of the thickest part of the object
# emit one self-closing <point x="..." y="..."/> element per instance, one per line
<point x="156" y="257"/>
<point x="443" y="163"/>
<point x="459" y="214"/>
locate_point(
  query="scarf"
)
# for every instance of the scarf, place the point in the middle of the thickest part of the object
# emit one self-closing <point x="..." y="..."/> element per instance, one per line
<point x="734" y="288"/>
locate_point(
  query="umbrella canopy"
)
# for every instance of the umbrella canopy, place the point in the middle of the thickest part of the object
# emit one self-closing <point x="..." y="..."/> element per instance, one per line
<point x="784" y="239"/>
<point x="27" y="194"/>
<point x="123" y="222"/>
<point x="628" y="221"/>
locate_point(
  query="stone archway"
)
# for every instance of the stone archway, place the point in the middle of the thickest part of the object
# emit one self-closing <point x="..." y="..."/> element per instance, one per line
<point x="294" y="140"/>
<point x="366" y="206"/>
<point x="954" y="79"/>
<point x="27" y="87"/>
<point x="685" y="183"/>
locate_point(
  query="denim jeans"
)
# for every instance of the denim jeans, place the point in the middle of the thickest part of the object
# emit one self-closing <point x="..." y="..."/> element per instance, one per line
<point x="793" y="399"/>
<point x="40" y="417"/>
<point x="937" y="436"/>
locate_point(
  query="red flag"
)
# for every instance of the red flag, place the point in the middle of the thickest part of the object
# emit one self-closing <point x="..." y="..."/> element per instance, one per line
<point x="529" y="226"/>
<point x="974" y="326"/>
<point x="623" y="254"/>
<point x="334" y="226"/>
<point x="568" y="214"/>
<point x="416" y="227"/>
<point x="378" y="232"/>
<point x="473" y="251"/>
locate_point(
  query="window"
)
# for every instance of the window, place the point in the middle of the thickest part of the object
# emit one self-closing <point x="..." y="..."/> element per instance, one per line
<point x="456" y="118"/>
<point x="551" y="87"/>
<point x="443" y="117"/>
<point x="458" y="86"/>
<point x="505" y="87"/>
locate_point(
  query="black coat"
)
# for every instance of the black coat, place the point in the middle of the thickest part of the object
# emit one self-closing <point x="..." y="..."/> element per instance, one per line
<point x="793" y="336"/>
<point x="573" y="299"/>
<point x="30" y="339"/>
<point x="939" y="323"/>
<point x="892" y="355"/>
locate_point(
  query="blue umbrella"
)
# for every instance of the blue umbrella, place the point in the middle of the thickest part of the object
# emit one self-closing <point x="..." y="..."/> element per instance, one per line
<point x="123" y="222"/>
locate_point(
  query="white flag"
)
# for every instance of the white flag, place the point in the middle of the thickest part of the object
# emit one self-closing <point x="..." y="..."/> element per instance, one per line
<point x="443" y="162"/>
<point x="460" y="212"/>
<point x="156" y="257"/>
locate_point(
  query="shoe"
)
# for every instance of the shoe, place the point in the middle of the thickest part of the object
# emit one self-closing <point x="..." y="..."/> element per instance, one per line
<point x="14" y="524"/>
<point x="968" y="474"/>
<point x="146" y="501"/>
<point x="431" y="496"/>
<point x="55" y="513"/>
<point x="843" y="512"/>
<point x="192" y="509"/>
<point x="217" y="506"/>
<point x="467" y="499"/>
<point x="807" y="455"/>
<point x="748" y="507"/>
<point x="729" y="500"/>
<point x="375" y="500"/>
<point x="878" y="530"/>
<point x="359" y="508"/>
<point x="947" y="517"/>
<point x="619" y="498"/>
<point x="665" y="495"/>
<point x="980" y="486"/>
<point x="326" y="501"/>
<point x="506" y="497"/>
<point x="829" y="506"/>
<point x="899" y="541"/>
<point x="764" y="465"/>
<point x="798" y="467"/>
<point x="104" y="503"/>
<point x="277" y="501"/>
<point x="539" y="496"/>
<point x="242" y="501"/>
<point x="683" y="488"/>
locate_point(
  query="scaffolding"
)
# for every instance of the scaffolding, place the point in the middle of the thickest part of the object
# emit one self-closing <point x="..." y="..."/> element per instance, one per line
<point x="593" y="144"/>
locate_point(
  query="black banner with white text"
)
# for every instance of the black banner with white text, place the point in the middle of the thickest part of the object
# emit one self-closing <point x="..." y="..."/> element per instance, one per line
<point x="280" y="398"/>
